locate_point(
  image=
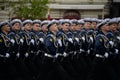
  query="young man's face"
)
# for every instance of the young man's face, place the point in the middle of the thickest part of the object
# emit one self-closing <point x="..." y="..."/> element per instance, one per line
<point x="93" y="25"/>
<point x="36" y="27"/>
<point x="65" y="26"/>
<point x="59" y="26"/>
<point x="113" y="27"/>
<point x="87" y="25"/>
<point x="105" y="27"/>
<point x="16" y="27"/>
<point x="44" y="28"/>
<point x="54" y="28"/>
<point x="27" y="27"/>
<point x="73" y="26"/>
<point x="79" y="27"/>
<point x="6" y="28"/>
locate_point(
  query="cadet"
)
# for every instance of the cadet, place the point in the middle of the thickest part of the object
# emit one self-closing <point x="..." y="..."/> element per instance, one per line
<point x="36" y="35"/>
<point x="94" y="23"/>
<point x="34" y="59"/>
<point x="111" y="35"/>
<point x="69" y="48"/>
<point x="118" y="45"/>
<point x="101" y="46"/>
<point x="118" y="31"/>
<point x="42" y="48"/>
<point x="62" y="44"/>
<point x="80" y="25"/>
<point x="73" y="25"/>
<point x="76" y="61"/>
<point x="75" y="33"/>
<point x="84" y="47"/>
<point x="14" y="38"/>
<point x="44" y="26"/>
<point x="5" y="46"/>
<point x="91" y="34"/>
<point x="75" y="36"/>
<point x="42" y="34"/>
<point x="25" y="40"/>
<point x="83" y="34"/>
<point x="118" y="27"/>
<point x="66" y="29"/>
<point x="87" y="24"/>
<point x="15" y="29"/>
<point x="114" y="48"/>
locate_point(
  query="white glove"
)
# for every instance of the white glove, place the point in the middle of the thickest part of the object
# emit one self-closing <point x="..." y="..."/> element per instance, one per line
<point x="116" y="51"/>
<point x="70" y="40"/>
<point x="75" y="52"/>
<point x="38" y="52"/>
<point x="106" y="55"/>
<point x="118" y="37"/>
<point x="26" y="54"/>
<point x="7" y="55"/>
<point x="64" y="54"/>
<point x="18" y="55"/>
<point x="111" y="43"/>
<point x="1" y="55"/>
<point x="41" y="39"/>
<point x="21" y="40"/>
<point x="91" y="38"/>
<point x="12" y="40"/>
<point x="59" y="42"/>
<point x="81" y="50"/>
<point x="77" y="39"/>
<point x="83" y="38"/>
<point x="32" y="41"/>
<point x="56" y="55"/>
<point x="88" y="51"/>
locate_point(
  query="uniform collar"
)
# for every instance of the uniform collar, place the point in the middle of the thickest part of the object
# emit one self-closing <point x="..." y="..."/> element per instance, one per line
<point x="76" y="31"/>
<point x="101" y="33"/>
<point x="49" y="32"/>
<point x="84" y="29"/>
<point x="16" y="32"/>
<point x="34" y="31"/>
<point x="26" y="31"/>
<point x="3" y="33"/>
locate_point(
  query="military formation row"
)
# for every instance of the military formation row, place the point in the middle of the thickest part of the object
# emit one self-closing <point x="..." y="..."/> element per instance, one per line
<point x="86" y="49"/>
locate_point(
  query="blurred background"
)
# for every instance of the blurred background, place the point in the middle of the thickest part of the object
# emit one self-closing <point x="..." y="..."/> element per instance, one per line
<point x="58" y="9"/>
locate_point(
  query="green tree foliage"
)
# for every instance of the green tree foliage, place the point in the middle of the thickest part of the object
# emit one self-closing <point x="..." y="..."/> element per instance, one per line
<point x="32" y="9"/>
